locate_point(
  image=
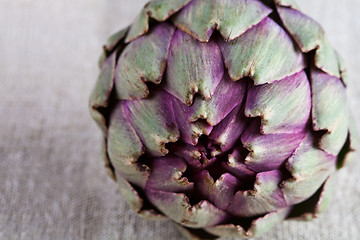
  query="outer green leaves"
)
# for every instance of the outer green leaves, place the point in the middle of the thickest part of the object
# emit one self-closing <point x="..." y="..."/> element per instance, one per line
<point x="265" y="53"/>
<point x="265" y="197"/>
<point x="283" y="106"/>
<point x="230" y="17"/>
<point x="114" y="39"/>
<point x="125" y="148"/>
<point x="257" y="228"/>
<point x="193" y="67"/>
<point x="112" y="42"/>
<point x="343" y="70"/>
<point x="177" y="207"/>
<point x="325" y="196"/>
<point x="287" y="3"/>
<point x="139" y="27"/>
<point x="100" y="95"/>
<point x="157" y="9"/>
<point x="122" y="137"/>
<point x="329" y="111"/>
<point x="309" y="35"/>
<point x="135" y="201"/>
<point x="162" y="9"/>
<point x="348" y="152"/>
<point x="310" y="167"/>
<point x="317" y="203"/>
<point x="154" y="122"/>
<point x="143" y="60"/>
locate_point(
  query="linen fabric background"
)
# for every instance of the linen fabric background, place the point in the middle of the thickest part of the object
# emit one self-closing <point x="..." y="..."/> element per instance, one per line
<point x="53" y="184"/>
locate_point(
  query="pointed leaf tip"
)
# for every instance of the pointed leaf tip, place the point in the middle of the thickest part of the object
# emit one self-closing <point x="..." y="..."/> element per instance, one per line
<point x="284" y="106"/>
<point x="159" y="10"/>
<point x="177" y="207"/>
<point x="265" y="53"/>
<point x="166" y="175"/>
<point x="101" y="93"/>
<point x="265" y="197"/>
<point x="154" y="121"/>
<point x="349" y="152"/>
<point x="329" y="113"/>
<point x="143" y="60"/>
<point x="193" y="67"/>
<point x="125" y="148"/>
<point x="230" y="17"/>
<point x="258" y="226"/>
<point x="309" y="35"/>
<point x="309" y="168"/>
<point x="163" y="9"/>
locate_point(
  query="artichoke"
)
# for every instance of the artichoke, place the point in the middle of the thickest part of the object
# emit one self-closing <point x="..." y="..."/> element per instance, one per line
<point x="225" y="116"/>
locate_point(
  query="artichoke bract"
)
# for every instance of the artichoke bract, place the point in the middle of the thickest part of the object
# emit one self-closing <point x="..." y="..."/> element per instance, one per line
<point x="225" y="116"/>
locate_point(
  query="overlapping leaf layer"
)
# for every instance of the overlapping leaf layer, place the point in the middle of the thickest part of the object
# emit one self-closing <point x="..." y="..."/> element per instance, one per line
<point x="223" y="115"/>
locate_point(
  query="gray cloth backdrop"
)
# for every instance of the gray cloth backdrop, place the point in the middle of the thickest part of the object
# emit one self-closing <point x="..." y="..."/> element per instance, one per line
<point x="52" y="181"/>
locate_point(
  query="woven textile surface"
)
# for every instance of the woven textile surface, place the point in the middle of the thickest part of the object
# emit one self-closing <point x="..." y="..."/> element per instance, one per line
<point x="53" y="184"/>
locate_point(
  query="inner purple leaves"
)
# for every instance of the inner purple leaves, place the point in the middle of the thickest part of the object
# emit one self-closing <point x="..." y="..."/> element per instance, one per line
<point x="268" y="151"/>
<point x="214" y="167"/>
<point x="202" y="115"/>
<point x="265" y="197"/>
<point x="228" y="131"/>
<point x="205" y="146"/>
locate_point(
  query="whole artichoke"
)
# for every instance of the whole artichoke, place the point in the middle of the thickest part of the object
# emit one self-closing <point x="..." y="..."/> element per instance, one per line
<point x="225" y="116"/>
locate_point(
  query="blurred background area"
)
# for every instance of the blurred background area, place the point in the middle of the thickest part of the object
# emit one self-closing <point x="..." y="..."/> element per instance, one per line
<point x="53" y="184"/>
